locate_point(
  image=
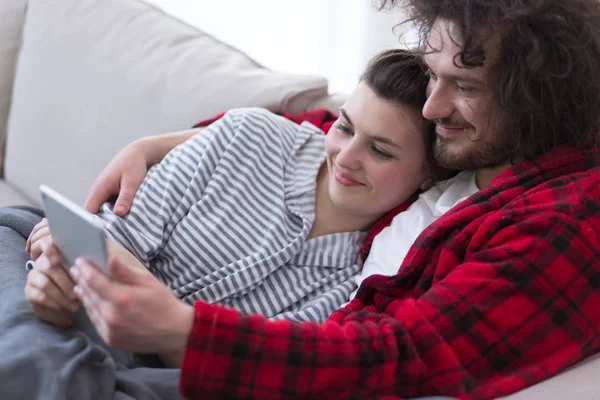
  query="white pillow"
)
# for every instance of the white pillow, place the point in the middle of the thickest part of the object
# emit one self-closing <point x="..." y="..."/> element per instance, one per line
<point x="94" y="75"/>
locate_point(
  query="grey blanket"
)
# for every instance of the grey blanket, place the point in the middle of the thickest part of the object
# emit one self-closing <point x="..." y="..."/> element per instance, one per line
<point x="40" y="361"/>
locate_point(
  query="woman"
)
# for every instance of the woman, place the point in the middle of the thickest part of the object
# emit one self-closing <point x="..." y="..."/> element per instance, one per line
<point x="261" y="214"/>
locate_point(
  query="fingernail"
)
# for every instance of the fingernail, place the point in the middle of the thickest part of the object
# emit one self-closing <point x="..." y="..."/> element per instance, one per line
<point x="75" y="273"/>
<point x="78" y="290"/>
<point x="79" y="261"/>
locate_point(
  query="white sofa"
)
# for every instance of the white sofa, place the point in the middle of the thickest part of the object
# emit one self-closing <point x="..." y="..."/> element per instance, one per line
<point x="94" y="75"/>
<point x="81" y="78"/>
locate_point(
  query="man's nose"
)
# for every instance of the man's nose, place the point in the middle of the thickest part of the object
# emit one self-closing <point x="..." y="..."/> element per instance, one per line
<point x="439" y="104"/>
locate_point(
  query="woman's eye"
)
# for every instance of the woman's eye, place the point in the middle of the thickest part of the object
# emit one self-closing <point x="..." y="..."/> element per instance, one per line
<point x="380" y="153"/>
<point x="344" y="128"/>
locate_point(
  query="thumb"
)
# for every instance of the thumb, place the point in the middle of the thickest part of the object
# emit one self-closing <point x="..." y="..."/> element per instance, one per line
<point x="123" y="273"/>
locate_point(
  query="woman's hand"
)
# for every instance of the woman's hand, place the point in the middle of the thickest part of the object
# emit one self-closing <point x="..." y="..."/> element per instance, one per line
<point x="40" y="231"/>
<point x="122" y="177"/>
<point x="49" y="288"/>
<point x="132" y="310"/>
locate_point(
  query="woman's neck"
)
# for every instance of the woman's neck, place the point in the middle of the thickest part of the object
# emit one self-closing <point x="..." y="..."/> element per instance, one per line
<point x="330" y="218"/>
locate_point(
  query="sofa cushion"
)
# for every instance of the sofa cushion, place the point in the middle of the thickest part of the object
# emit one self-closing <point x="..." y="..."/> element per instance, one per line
<point x="12" y="15"/>
<point x="10" y="197"/>
<point x="578" y="382"/>
<point x="94" y="75"/>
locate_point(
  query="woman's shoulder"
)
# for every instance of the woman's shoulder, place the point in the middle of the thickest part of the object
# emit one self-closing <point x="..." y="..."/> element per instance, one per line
<point x="258" y="117"/>
<point x="260" y="124"/>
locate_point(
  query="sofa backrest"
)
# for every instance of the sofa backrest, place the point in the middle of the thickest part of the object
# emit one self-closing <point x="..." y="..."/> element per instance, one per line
<point x="12" y="15"/>
<point x="94" y="75"/>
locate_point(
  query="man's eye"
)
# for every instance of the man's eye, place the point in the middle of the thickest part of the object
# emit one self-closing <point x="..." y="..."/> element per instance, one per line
<point x="431" y="74"/>
<point x="463" y="89"/>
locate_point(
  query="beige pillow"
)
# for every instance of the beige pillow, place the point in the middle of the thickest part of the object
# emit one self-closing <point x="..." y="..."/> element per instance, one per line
<point x="94" y="75"/>
<point x="12" y="15"/>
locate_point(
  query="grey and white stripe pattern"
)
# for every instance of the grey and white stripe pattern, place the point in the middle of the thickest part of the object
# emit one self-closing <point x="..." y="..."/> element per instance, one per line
<point x="225" y="216"/>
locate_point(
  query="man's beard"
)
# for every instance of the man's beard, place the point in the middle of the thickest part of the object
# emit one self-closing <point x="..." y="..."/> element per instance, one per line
<point x="483" y="155"/>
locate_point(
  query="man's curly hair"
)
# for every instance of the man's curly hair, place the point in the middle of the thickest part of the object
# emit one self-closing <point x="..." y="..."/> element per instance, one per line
<point x="547" y="77"/>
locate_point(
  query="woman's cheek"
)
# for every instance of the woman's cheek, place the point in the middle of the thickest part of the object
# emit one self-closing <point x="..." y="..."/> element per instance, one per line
<point x="332" y="143"/>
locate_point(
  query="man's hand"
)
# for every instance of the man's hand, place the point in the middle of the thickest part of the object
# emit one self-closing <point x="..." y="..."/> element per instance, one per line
<point x="122" y="177"/>
<point x="49" y="288"/>
<point x="132" y="310"/>
<point x="126" y="171"/>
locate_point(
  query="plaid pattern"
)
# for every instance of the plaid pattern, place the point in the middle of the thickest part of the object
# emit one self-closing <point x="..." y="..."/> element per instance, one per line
<point x="497" y="295"/>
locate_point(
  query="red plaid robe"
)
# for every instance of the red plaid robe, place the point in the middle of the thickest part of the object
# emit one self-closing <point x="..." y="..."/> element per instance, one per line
<point x="498" y="294"/>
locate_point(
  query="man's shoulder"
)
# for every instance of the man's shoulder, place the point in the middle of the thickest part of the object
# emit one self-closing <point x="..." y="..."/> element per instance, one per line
<point x="571" y="198"/>
<point x="567" y="189"/>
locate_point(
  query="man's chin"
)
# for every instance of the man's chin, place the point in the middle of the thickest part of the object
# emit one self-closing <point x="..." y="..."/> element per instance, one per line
<point x="463" y="162"/>
<point x="456" y="159"/>
<point x="447" y="156"/>
<point x="458" y="156"/>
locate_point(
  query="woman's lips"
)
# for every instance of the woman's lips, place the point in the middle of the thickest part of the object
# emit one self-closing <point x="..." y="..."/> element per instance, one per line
<point x="344" y="179"/>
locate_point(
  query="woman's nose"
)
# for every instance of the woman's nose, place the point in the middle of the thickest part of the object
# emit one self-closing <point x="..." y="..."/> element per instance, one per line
<point x="349" y="156"/>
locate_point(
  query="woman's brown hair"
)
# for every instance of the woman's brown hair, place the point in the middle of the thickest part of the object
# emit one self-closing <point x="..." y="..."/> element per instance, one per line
<point x="399" y="76"/>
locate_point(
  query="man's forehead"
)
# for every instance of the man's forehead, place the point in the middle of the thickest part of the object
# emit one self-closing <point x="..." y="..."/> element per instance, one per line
<point x="445" y="43"/>
<point x="444" y="34"/>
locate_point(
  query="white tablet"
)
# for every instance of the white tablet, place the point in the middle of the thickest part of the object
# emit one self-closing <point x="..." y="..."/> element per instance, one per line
<point x="75" y="231"/>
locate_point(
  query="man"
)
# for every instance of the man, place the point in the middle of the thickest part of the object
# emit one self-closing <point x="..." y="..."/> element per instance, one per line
<point x="498" y="294"/>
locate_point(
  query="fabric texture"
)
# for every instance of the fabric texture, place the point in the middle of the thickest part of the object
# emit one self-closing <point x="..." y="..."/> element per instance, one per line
<point x="320" y="117"/>
<point x="496" y="295"/>
<point x="392" y="244"/>
<point x="10" y="197"/>
<point x="40" y="361"/>
<point x="225" y="218"/>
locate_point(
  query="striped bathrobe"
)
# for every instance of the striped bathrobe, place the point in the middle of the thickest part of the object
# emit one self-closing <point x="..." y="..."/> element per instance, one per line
<point x="225" y="216"/>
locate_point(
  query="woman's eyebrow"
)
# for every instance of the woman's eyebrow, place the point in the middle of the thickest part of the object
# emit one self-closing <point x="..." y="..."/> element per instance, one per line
<point x="345" y="115"/>
<point x="375" y="138"/>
